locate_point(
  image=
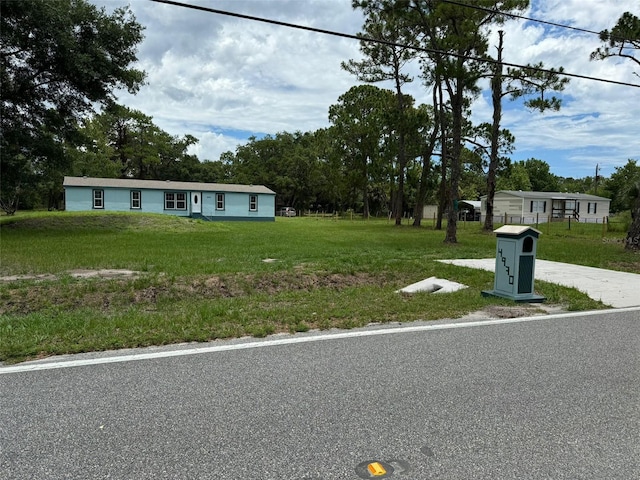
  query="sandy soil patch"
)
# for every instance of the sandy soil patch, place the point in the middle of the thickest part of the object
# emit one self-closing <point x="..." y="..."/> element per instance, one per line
<point x="103" y="273"/>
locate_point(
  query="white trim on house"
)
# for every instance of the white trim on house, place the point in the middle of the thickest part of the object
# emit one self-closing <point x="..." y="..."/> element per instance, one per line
<point x="219" y="201"/>
<point x="136" y="199"/>
<point x="98" y="198"/>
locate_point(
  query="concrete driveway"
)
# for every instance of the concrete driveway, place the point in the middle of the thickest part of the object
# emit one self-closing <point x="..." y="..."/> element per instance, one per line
<point x="617" y="289"/>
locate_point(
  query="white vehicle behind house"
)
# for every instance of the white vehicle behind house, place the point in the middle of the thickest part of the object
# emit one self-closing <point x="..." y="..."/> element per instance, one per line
<point x="287" y="212"/>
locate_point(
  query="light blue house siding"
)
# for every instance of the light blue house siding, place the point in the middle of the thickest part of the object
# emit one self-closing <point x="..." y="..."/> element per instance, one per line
<point x="209" y="201"/>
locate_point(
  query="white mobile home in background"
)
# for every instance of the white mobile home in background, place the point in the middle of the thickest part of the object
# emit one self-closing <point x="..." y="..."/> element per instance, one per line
<point x="539" y="207"/>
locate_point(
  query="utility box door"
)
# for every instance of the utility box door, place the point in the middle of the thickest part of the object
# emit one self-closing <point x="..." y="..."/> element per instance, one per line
<point x="505" y="265"/>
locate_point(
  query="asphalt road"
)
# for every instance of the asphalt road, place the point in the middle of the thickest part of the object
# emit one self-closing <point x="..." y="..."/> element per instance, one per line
<point x="556" y="397"/>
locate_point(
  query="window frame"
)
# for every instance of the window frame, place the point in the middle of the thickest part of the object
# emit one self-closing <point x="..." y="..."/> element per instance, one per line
<point x="181" y="201"/>
<point x="253" y="203"/>
<point x="536" y="204"/>
<point x="220" y="201"/>
<point x="175" y="201"/>
<point x="136" y="200"/>
<point x="98" y="200"/>
<point x="169" y="203"/>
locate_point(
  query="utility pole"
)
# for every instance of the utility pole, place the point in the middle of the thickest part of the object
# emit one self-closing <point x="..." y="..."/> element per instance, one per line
<point x="597" y="177"/>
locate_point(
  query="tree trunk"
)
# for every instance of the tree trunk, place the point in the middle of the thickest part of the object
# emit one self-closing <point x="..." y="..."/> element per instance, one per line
<point x="365" y="202"/>
<point x="402" y="157"/>
<point x="444" y="161"/>
<point x="422" y="189"/>
<point x="457" y="100"/>
<point x="496" y="94"/>
<point x="442" y="203"/>
<point x="402" y="165"/>
<point x="426" y="164"/>
<point x="633" y="235"/>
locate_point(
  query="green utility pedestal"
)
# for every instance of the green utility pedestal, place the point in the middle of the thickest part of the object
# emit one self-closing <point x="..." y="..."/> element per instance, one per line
<point x="515" y="263"/>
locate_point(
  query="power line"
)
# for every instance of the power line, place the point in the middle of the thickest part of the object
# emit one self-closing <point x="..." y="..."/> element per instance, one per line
<point x="388" y="43"/>
<point x="522" y="17"/>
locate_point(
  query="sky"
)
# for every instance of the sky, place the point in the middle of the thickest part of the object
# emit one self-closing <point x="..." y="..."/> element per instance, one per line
<point x="224" y="79"/>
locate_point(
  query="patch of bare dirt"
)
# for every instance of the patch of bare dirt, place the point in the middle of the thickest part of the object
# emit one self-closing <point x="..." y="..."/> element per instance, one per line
<point x="519" y="310"/>
<point x="273" y="283"/>
<point x="497" y="311"/>
<point x="103" y="273"/>
<point x="109" y="289"/>
<point x="631" y="267"/>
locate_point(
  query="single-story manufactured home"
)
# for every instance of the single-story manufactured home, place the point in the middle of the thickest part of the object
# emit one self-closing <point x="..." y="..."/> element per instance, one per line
<point x="539" y="207"/>
<point x="208" y="201"/>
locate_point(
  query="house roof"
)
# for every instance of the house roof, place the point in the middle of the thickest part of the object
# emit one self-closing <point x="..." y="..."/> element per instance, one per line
<point x="473" y="203"/>
<point x="163" y="185"/>
<point x="552" y="195"/>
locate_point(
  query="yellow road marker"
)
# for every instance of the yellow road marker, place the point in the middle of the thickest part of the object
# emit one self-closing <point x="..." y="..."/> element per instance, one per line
<point x="376" y="469"/>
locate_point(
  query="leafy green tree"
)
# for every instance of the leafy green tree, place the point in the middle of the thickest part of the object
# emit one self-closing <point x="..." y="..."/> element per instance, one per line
<point x="456" y="32"/>
<point x="579" y="185"/>
<point x="542" y="180"/>
<point x="58" y="59"/>
<point x="624" y="189"/>
<point x="135" y="146"/>
<point x="423" y="130"/>
<point x="333" y="189"/>
<point x="95" y="156"/>
<point x="288" y="163"/>
<point x="516" y="177"/>
<point x="385" y="62"/>
<point x="361" y="119"/>
<point x="175" y="163"/>
<point x="624" y="41"/>
<point x="455" y="36"/>
<point x="620" y="184"/>
<point x="301" y="159"/>
<point x="472" y="181"/>
<point x="216" y="171"/>
<point x="516" y="83"/>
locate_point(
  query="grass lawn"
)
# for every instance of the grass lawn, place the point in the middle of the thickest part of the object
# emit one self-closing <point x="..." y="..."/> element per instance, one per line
<point x="200" y="280"/>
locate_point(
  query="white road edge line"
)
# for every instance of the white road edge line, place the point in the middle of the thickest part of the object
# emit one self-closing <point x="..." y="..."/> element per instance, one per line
<point x="33" y="367"/>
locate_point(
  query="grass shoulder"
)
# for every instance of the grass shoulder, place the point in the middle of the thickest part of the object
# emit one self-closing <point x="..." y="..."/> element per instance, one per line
<point x="199" y="281"/>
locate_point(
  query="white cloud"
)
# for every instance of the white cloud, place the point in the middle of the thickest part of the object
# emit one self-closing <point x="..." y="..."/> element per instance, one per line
<point x="211" y="143"/>
<point x="220" y="78"/>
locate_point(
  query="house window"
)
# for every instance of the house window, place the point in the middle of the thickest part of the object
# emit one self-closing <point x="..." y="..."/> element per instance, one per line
<point x="538" y="206"/>
<point x="169" y="201"/>
<point x="219" y="201"/>
<point x="136" y="199"/>
<point x="592" y="207"/>
<point x="253" y="203"/>
<point x="175" y="201"/>
<point x="181" y="201"/>
<point x="98" y="199"/>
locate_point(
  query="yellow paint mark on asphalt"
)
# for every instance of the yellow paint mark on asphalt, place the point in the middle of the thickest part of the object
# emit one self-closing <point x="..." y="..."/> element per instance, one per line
<point x="376" y="469"/>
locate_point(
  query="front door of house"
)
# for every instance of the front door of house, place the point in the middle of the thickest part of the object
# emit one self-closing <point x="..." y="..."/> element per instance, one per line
<point x="196" y="202"/>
